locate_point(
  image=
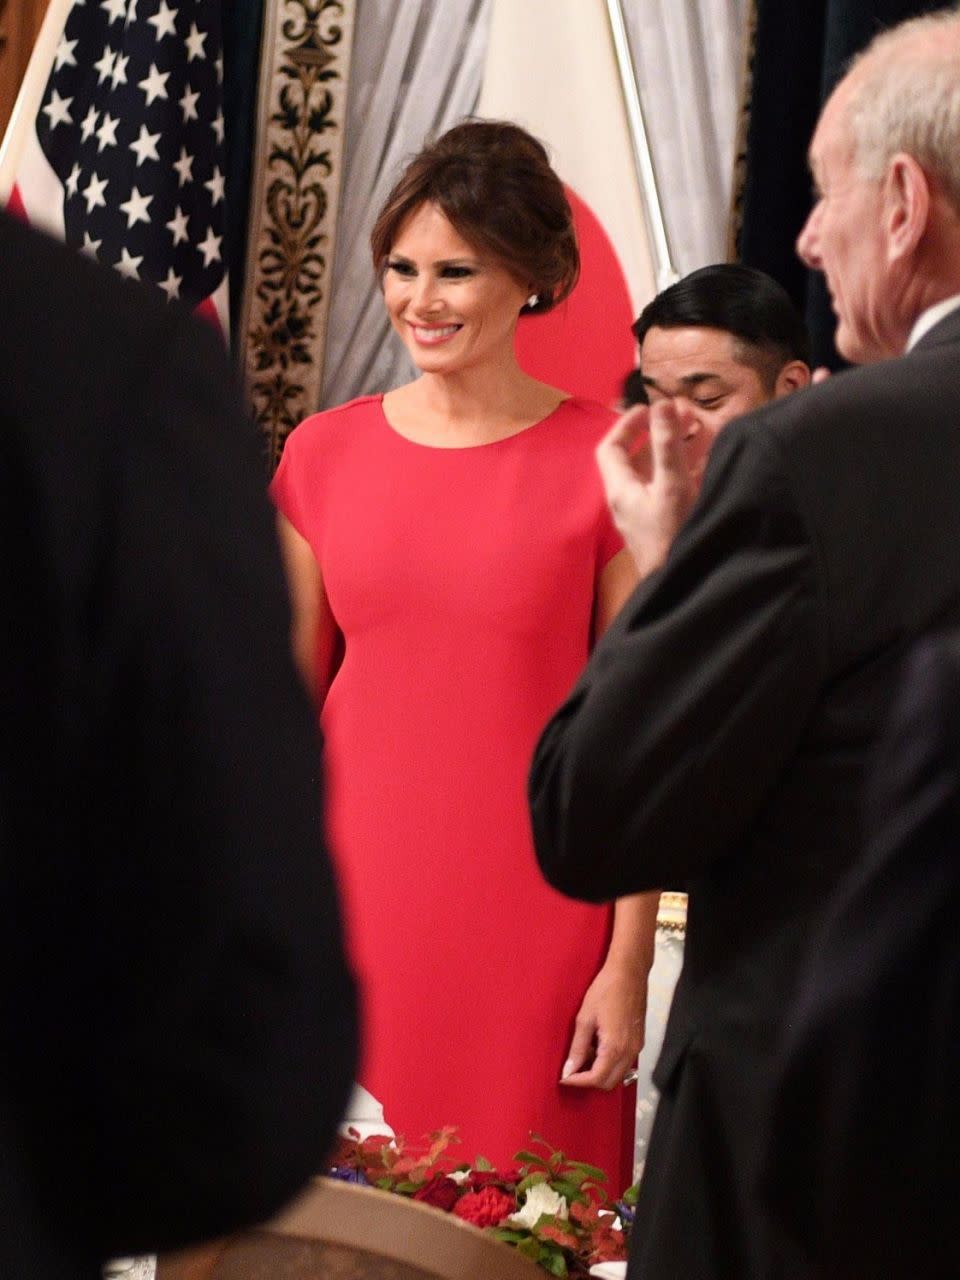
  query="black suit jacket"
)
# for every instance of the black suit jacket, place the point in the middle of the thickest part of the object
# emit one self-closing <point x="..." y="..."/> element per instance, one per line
<point x="176" y="1019"/>
<point x="719" y="737"/>
<point x="861" y="1165"/>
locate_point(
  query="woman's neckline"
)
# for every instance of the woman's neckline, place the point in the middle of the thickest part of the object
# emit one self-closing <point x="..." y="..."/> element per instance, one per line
<point x="467" y="448"/>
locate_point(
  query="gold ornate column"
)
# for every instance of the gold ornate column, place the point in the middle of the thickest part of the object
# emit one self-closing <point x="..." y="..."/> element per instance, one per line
<point x="293" y="211"/>
<point x="744" y="108"/>
<point x="19" y="26"/>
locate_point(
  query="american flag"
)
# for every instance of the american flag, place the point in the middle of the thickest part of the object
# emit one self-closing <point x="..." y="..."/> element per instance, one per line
<point x="129" y="145"/>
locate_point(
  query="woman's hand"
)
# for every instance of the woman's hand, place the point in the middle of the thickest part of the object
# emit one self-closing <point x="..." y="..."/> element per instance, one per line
<point x="608" y="1033"/>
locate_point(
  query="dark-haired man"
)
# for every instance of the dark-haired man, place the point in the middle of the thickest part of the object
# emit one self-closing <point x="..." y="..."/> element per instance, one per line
<point x="724" y="340"/>
<point x="719" y="343"/>
<point x="727" y="338"/>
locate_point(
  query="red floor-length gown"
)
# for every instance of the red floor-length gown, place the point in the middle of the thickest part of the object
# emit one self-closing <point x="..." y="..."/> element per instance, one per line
<point x="463" y="581"/>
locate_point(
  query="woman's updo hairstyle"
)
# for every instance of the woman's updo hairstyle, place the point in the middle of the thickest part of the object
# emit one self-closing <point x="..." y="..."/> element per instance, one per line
<point x="494" y="184"/>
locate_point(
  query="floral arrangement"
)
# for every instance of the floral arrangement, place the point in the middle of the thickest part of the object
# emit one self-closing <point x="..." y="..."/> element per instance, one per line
<point x="552" y="1209"/>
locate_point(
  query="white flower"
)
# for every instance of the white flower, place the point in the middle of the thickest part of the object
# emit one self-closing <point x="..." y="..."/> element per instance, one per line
<point x="540" y="1199"/>
<point x="459" y="1176"/>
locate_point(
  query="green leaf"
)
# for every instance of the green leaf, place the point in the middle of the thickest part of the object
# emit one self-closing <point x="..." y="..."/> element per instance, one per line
<point x="530" y="1248"/>
<point x="482" y="1165"/>
<point x="631" y="1195"/>
<point x="552" y="1259"/>
<point x="569" y="1189"/>
<point x="595" y="1190"/>
<point x="530" y="1157"/>
<point x="589" y="1170"/>
<point x="509" y="1237"/>
<point x="407" y="1188"/>
<point x="545" y="1220"/>
<point x="385" y="1184"/>
<point x="531" y="1180"/>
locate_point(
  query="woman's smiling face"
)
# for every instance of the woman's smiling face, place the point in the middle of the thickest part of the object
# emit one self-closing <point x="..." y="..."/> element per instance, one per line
<point x="454" y="306"/>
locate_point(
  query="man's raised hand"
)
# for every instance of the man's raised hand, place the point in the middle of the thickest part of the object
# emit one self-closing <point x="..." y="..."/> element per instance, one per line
<point x="649" y="482"/>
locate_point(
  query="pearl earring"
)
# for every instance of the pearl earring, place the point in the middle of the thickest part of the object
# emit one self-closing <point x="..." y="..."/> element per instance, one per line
<point x="533" y="300"/>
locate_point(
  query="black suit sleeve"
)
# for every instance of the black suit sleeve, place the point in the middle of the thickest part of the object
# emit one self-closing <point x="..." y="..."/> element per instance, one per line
<point x="695" y="696"/>
<point x="188" y="1022"/>
<point x="861" y="1162"/>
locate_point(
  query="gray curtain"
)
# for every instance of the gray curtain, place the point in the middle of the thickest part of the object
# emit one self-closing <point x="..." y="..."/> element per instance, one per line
<point x="688" y="58"/>
<point x="415" y="71"/>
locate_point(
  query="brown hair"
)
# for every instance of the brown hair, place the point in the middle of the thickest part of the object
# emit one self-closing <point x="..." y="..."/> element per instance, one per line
<point x="494" y="184"/>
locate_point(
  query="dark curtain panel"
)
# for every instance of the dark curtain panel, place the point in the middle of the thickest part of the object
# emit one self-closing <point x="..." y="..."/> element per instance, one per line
<point x="800" y="53"/>
<point x="242" y="24"/>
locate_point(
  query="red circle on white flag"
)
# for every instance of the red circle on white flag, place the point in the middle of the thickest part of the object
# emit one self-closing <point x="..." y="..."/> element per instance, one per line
<point x="584" y="345"/>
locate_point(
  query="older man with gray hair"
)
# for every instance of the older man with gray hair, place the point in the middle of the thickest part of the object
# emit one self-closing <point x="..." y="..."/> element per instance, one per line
<point x="722" y="730"/>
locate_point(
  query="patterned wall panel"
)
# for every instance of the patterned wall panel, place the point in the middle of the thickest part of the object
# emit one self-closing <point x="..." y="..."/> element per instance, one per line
<point x="293" y="213"/>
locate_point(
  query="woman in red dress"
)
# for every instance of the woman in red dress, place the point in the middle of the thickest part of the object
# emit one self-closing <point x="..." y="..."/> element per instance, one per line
<point x="452" y="561"/>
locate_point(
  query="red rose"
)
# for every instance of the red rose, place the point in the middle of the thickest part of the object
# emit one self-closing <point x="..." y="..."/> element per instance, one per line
<point x="440" y="1191"/>
<point x="486" y="1208"/>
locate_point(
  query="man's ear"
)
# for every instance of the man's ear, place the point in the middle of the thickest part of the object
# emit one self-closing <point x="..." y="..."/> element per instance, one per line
<point x="794" y="375"/>
<point x="906" y="206"/>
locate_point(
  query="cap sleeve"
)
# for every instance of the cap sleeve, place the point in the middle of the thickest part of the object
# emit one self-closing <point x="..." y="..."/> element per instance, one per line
<point x="286" y="487"/>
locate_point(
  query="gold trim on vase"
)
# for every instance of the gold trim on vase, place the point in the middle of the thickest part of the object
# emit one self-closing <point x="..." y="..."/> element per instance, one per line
<point x="672" y="912"/>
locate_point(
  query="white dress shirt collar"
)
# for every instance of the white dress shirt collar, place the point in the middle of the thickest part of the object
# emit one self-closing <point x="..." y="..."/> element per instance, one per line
<point x="933" y="315"/>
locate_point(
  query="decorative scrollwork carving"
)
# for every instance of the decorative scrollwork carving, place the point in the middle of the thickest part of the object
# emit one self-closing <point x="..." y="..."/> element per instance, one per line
<point x="297" y="202"/>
